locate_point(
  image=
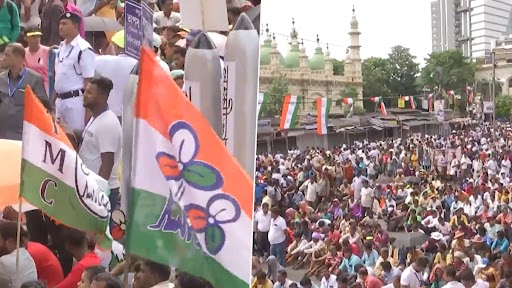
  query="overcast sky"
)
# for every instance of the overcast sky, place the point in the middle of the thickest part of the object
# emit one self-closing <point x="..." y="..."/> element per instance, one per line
<point x="383" y="24"/>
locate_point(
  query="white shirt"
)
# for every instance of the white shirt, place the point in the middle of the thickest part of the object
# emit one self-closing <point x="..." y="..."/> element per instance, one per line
<point x="453" y="284"/>
<point x="411" y="278"/>
<point x="117" y="69"/>
<point x="329" y="283"/>
<point x="366" y="197"/>
<point x="311" y="190"/>
<point x="27" y="269"/>
<point x="262" y="221"/>
<point x="161" y="20"/>
<point x="276" y="234"/>
<point x="69" y="74"/>
<point x="101" y="135"/>
<point x="480" y="284"/>
<point x="285" y="285"/>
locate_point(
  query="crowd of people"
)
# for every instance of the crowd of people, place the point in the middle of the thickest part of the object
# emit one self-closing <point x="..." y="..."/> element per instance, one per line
<point x="83" y="89"/>
<point x="425" y="211"/>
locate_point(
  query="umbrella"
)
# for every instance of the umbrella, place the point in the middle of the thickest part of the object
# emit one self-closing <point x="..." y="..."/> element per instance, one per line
<point x="410" y="239"/>
<point x="95" y="23"/>
<point x="383" y="180"/>
<point x="10" y="175"/>
<point x="412" y="179"/>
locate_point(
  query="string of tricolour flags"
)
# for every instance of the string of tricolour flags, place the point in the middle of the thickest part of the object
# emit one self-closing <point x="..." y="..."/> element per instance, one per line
<point x="291" y="105"/>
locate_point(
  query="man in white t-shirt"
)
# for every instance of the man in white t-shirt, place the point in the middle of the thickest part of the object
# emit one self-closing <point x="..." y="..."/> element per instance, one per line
<point x="100" y="150"/>
<point x="412" y="276"/>
<point x="116" y="68"/>
<point x="311" y="188"/>
<point x="367" y="197"/>
<point x="27" y="267"/>
<point x="450" y="276"/>
<point x="262" y="220"/>
<point x="328" y="279"/>
<point x="277" y="235"/>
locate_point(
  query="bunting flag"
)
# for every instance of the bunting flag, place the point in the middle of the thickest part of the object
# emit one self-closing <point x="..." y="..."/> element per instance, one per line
<point x="411" y="102"/>
<point x="323" y="106"/>
<point x="350" y="103"/>
<point x="189" y="207"/>
<point x="54" y="178"/>
<point x="262" y="98"/>
<point x="290" y="112"/>
<point x="375" y="99"/>
<point x="383" y="109"/>
<point x="469" y="91"/>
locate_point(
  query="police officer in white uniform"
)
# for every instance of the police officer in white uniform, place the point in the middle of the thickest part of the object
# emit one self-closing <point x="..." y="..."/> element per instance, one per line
<point x="74" y="67"/>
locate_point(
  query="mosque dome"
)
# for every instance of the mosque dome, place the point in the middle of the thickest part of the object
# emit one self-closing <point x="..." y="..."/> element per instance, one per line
<point x="265" y="50"/>
<point x="292" y="59"/>
<point x="316" y="62"/>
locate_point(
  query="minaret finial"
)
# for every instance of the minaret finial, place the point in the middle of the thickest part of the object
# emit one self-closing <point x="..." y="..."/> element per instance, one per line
<point x="267" y="30"/>
<point x="302" y="41"/>
<point x="293" y="22"/>
<point x="354" y="9"/>
<point x="274" y="37"/>
<point x="327" y="46"/>
<point x="317" y="40"/>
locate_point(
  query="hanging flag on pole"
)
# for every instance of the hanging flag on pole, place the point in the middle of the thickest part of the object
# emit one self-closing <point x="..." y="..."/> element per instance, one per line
<point x="262" y="98"/>
<point x="383" y="109"/>
<point x="54" y="178"/>
<point x="411" y="102"/>
<point x="350" y="103"/>
<point x="375" y="99"/>
<point x="189" y="205"/>
<point x="290" y="112"/>
<point x="323" y="106"/>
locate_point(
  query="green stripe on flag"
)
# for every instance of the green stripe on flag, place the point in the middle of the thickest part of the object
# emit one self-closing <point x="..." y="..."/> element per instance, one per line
<point x="295" y="114"/>
<point x="168" y="247"/>
<point x="65" y="205"/>
<point x="327" y="110"/>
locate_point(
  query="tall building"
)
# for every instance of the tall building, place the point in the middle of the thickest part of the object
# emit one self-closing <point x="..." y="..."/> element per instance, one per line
<point x="470" y="25"/>
<point x="490" y="20"/>
<point x="313" y="76"/>
<point x="451" y="28"/>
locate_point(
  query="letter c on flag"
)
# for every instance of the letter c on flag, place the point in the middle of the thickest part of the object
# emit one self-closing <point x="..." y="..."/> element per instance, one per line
<point x="44" y="187"/>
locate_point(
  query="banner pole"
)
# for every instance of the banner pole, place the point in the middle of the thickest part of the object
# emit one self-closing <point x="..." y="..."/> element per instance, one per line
<point x="18" y="241"/>
<point x="126" y="270"/>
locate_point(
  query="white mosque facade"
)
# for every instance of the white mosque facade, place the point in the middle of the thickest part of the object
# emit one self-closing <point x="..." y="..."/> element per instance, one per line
<point x="313" y="77"/>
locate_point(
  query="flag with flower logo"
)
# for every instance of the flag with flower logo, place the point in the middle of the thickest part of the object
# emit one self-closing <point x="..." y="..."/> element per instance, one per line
<point x="191" y="203"/>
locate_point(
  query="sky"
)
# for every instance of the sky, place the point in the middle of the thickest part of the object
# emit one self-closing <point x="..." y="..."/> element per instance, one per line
<point x="382" y="23"/>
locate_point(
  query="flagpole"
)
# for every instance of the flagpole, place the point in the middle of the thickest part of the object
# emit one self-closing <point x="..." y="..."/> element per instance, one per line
<point x="126" y="270"/>
<point x="18" y="241"/>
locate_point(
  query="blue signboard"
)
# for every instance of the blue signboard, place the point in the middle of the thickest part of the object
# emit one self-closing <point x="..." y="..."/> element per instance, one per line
<point x="132" y="29"/>
<point x="147" y="25"/>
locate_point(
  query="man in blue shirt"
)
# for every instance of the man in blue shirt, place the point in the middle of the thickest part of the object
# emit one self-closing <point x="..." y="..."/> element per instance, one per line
<point x="500" y="244"/>
<point x="349" y="261"/>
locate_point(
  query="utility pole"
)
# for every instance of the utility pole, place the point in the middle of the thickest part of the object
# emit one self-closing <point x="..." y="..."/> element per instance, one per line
<point x="493" y="89"/>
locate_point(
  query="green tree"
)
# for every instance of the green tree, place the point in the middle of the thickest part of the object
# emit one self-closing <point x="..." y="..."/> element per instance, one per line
<point x="278" y="88"/>
<point x="338" y="67"/>
<point x="448" y="70"/>
<point x="376" y="75"/>
<point x="504" y="106"/>
<point x="403" y="72"/>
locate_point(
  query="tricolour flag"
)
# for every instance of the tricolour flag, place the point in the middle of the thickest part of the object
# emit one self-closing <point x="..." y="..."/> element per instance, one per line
<point x="323" y="106"/>
<point x="191" y="203"/>
<point x="53" y="177"/>
<point x="262" y="98"/>
<point x="411" y="102"/>
<point x="383" y="109"/>
<point x="290" y="112"/>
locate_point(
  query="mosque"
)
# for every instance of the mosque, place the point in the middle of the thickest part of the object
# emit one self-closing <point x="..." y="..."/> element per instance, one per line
<point x="314" y="76"/>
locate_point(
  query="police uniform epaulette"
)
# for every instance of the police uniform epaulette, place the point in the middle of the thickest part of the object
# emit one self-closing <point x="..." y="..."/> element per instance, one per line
<point x="84" y="45"/>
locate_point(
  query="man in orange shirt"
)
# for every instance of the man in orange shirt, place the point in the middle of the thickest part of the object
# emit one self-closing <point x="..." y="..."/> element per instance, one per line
<point x="368" y="281"/>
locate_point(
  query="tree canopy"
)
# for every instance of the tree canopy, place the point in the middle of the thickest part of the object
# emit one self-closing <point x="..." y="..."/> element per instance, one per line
<point x="448" y="70"/>
<point x="390" y="77"/>
<point x="278" y="88"/>
<point x="338" y="67"/>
